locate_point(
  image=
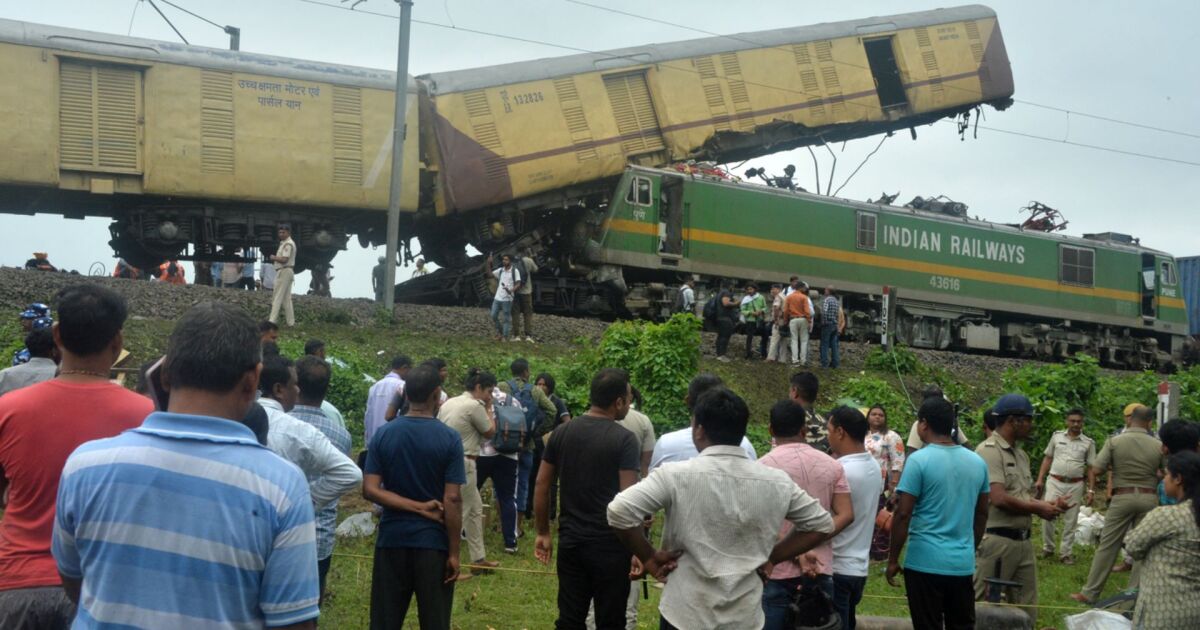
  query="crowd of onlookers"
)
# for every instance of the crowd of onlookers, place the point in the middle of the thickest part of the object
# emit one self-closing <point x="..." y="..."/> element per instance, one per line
<point x="783" y="320"/>
<point x="208" y="497"/>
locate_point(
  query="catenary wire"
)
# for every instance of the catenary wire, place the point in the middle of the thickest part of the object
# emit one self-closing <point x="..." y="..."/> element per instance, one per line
<point x="860" y="67"/>
<point x="198" y="17"/>
<point x="136" y="4"/>
<point x="775" y="87"/>
<point x="168" y="21"/>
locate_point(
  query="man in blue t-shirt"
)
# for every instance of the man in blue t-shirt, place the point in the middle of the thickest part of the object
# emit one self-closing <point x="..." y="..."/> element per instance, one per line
<point x="415" y="471"/>
<point x="943" y="509"/>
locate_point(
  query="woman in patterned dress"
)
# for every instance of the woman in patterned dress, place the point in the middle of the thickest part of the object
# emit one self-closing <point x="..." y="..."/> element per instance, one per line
<point x="887" y="447"/>
<point x="1167" y="543"/>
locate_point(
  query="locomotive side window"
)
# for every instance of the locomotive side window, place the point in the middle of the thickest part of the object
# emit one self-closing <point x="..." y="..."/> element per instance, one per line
<point x="1078" y="266"/>
<point x="639" y="192"/>
<point x="867" y="225"/>
<point x="1168" y="274"/>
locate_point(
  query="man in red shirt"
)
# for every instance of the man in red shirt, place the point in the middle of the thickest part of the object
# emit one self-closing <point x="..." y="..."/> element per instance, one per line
<point x="40" y="426"/>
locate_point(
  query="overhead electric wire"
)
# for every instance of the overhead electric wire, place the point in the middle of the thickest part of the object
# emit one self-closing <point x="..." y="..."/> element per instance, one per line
<point x="198" y="17"/>
<point x="768" y="86"/>
<point x="168" y="21"/>
<point x="136" y="4"/>
<point x="860" y="67"/>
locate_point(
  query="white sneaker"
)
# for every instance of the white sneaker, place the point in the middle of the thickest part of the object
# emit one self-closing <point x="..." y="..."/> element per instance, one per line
<point x="723" y="359"/>
<point x="515" y="339"/>
<point x="529" y="339"/>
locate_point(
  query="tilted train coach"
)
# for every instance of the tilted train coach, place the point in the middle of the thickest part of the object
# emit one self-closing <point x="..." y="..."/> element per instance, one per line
<point x="189" y="146"/>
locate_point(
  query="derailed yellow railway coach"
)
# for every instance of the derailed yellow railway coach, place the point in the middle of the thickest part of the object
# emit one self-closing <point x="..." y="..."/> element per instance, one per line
<point x="184" y="144"/>
<point x="513" y="131"/>
<point x="190" y="146"/>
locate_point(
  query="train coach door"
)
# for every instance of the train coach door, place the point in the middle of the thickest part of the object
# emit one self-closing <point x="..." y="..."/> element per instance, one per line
<point x="1149" y="286"/>
<point x="881" y="56"/>
<point x="670" y="217"/>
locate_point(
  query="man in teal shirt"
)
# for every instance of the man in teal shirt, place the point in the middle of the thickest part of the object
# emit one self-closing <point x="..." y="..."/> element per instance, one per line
<point x="754" y="313"/>
<point x="942" y="511"/>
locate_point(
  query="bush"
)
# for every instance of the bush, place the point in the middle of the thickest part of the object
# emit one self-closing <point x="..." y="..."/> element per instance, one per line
<point x="900" y="359"/>
<point x="350" y="381"/>
<point x="868" y="391"/>
<point x="661" y="360"/>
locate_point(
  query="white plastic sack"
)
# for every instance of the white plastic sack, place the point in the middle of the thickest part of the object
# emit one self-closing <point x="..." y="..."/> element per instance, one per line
<point x="359" y="525"/>
<point x="1098" y="620"/>
<point x="1088" y="527"/>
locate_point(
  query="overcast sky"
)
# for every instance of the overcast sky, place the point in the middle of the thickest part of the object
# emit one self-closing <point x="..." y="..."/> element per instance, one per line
<point x="1114" y="59"/>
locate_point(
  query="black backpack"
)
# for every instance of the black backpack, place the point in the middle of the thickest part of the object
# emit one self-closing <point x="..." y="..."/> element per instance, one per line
<point x="710" y="308"/>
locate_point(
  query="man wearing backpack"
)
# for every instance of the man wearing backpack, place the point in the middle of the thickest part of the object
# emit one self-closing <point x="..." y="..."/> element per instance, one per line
<point x="685" y="301"/>
<point x="538" y="409"/>
<point x="499" y="459"/>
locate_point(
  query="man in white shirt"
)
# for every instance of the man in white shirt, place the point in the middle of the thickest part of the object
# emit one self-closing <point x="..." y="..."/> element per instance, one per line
<point x="741" y="505"/>
<point x="330" y="473"/>
<point x="847" y="430"/>
<point x="677" y="446"/>
<point x="41" y="366"/>
<point x="687" y="296"/>
<point x="508" y="281"/>
<point x="381" y="394"/>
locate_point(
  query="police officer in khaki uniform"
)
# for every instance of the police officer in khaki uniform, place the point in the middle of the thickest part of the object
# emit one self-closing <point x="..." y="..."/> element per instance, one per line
<point x="1068" y="460"/>
<point x="284" y="262"/>
<point x="1006" y="552"/>
<point x="1135" y="457"/>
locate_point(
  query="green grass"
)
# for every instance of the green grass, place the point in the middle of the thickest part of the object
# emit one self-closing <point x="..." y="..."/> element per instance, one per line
<point x="518" y="600"/>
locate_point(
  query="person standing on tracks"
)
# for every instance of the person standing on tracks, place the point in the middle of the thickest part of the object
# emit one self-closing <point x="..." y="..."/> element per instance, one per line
<point x="524" y="298"/>
<point x="799" y="321"/>
<point x="1135" y="457"/>
<point x="754" y="312"/>
<point x="728" y="310"/>
<point x="1006" y="552"/>
<point x="378" y="278"/>
<point x="777" y="348"/>
<point x="508" y="281"/>
<point x="284" y="263"/>
<point x="1069" y="458"/>
<point x="231" y="271"/>
<point x="833" y="323"/>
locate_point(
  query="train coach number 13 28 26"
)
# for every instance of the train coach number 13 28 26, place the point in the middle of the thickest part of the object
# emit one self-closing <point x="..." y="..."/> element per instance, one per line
<point x="945" y="283"/>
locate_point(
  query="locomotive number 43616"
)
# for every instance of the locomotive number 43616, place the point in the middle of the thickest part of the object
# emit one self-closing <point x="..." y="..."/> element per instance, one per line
<point x="945" y="283"/>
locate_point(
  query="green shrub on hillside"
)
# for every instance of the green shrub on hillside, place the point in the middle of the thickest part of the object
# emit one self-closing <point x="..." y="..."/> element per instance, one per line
<point x="661" y="359"/>
<point x="900" y="359"/>
<point x="867" y="391"/>
<point x="348" y="384"/>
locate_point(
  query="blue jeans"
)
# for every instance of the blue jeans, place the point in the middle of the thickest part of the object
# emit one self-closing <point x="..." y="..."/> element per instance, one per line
<point x="777" y="594"/>
<point x="847" y="592"/>
<point x="524" y="464"/>
<point x="829" y="345"/>
<point x="503" y="473"/>
<point x="502" y="317"/>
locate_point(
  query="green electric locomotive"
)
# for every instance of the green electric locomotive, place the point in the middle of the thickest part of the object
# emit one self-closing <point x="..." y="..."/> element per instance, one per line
<point x="959" y="283"/>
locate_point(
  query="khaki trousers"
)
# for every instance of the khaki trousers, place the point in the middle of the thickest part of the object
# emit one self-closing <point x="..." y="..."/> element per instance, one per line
<point x="282" y="297"/>
<point x="1016" y="562"/>
<point x="1074" y="494"/>
<point x="799" y="341"/>
<point x="472" y="513"/>
<point x="1125" y="511"/>
<point x="777" y="349"/>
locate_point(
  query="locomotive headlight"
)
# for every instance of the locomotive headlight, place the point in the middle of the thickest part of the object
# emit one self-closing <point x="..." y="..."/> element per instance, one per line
<point x="323" y="238"/>
<point x="168" y="231"/>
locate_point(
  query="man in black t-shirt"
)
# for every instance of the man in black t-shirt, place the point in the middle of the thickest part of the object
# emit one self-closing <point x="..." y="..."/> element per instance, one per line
<point x="593" y="459"/>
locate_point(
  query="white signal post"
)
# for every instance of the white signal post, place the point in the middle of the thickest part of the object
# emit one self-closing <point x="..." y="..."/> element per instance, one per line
<point x="398" y="134"/>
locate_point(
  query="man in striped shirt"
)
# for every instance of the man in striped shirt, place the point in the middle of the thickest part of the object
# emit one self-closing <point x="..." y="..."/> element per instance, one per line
<point x="312" y="377"/>
<point x="187" y="521"/>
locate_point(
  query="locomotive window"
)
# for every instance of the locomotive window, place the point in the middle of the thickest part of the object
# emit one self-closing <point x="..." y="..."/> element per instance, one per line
<point x="867" y="223"/>
<point x="1168" y="274"/>
<point x="1078" y="266"/>
<point x="639" y="192"/>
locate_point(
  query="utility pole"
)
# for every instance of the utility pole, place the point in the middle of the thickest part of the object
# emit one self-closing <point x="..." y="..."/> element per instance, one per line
<point x="398" y="134"/>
